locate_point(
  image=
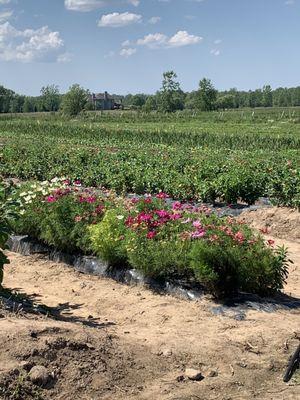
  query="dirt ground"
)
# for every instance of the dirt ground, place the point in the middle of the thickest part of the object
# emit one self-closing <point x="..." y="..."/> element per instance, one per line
<point x="104" y="340"/>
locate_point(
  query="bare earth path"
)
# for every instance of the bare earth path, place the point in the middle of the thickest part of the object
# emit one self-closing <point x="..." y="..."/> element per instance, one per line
<point x="138" y="343"/>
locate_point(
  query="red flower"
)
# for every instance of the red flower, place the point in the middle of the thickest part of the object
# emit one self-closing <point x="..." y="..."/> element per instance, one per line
<point x="151" y="235"/>
<point x="271" y="242"/>
<point x="51" y="199"/>
<point x="162" y="195"/>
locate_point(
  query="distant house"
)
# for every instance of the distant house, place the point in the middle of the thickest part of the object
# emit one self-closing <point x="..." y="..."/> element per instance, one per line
<point x="104" y="101"/>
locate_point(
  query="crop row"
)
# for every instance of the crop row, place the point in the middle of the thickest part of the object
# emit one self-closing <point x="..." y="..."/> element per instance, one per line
<point x="208" y="175"/>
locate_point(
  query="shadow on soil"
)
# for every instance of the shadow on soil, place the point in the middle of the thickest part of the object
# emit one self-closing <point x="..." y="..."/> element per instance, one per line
<point x="13" y="300"/>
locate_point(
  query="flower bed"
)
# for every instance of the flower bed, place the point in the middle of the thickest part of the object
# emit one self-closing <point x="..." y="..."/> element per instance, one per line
<point x="163" y="240"/>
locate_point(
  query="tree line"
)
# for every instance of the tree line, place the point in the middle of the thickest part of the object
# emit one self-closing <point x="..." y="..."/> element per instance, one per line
<point x="169" y="98"/>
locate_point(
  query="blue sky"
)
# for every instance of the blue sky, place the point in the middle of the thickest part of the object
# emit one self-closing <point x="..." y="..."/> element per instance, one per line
<point x="125" y="45"/>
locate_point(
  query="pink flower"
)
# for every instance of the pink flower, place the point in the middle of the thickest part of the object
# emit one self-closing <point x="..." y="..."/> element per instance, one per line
<point x="151" y="235"/>
<point x="175" y="216"/>
<point x="187" y="221"/>
<point x="148" y="200"/>
<point x="67" y="182"/>
<point x="134" y="200"/>
<point x="51" y="199"/>
<point x="162" y="213"/>
<point x="129" y="221"/>
<point x="162" y="195"/>
<point x="197" y="224"/>
<point x="143" y="217"/>
<point x="77" y="182"/>
<point x="78" y="218"/>
<point x="214" y="238"/>
<point x="198" y="234"/>
<point x="99" y="209"/>
<point x="239" y="237"/>
<point x="271" y="242"/>
<point x="177" y="205"/>
<point x="91" y="199"/>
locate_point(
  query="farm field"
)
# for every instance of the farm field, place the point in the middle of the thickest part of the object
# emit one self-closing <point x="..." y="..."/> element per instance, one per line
<point x="140" y="191"/>
<point x="207" y="157"/>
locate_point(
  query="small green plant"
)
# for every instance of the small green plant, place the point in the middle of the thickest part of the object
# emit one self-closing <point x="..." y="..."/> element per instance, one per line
<point x="108" y="236"/>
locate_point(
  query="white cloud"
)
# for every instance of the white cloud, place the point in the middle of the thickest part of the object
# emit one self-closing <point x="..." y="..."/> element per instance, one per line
<point x="215" y="52"/>
<point x="91" y="5"/>
<point x="40" y="45"/>
<point x="83" y="5"/>
<point x="117" y="20"/>
<point x="4" y="1"/>
<point x="218" y="41"/>
<point x="5" y="15"/>
<point x="154" y="20"/>
<point x="159" y="40"/>
<point x="127" y="52"/>
<point x="153" y="40"/>
<point x="182" y="38"/>
<point x="126" y="43"/>
<point x="134" y="2"/>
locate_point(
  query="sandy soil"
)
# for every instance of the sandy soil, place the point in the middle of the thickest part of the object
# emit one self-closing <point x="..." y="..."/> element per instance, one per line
<point x="110" y="341"/>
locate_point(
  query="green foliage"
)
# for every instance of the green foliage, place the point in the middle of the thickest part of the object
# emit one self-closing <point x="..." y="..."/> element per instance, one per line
<point x="201" y="157"/>
<point x="50" y="98"/>
<point x="170" y="98"/>
<point x="207" y="95"/>
<point x="225" y="268"/>
<point x="107" y="238"/>
<point x="7" y="214"/>
<point x="74" y="101"/>
<point x="59" y="216"/>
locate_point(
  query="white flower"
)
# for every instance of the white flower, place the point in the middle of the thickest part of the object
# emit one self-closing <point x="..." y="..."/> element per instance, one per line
<point x="23" y="194"/>
<point x="54" y="180"/>
<point x="120" y="217"/>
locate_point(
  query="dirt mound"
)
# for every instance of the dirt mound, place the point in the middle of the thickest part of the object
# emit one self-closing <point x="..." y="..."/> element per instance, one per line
<point x="104" y="340"/>
<point x="283" y="223"/>
<point x="80" y="363"/>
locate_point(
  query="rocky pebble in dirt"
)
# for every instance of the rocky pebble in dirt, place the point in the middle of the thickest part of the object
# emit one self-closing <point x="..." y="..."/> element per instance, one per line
<point x="193" y="374"/>
<point x="39" y="375"/>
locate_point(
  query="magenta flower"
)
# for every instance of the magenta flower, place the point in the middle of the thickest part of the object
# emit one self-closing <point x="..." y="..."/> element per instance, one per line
<point x="162" y="213"/>
<point x="197" y="224"/>
<point x="175" y="216"/>
<point x="177" y="205"/>
<point x="198" y="234"/>
<point x="143" y="217"/>
<point x="162" y="195"/>
<point x="51" y="199"/>
<point x="151" y="235"/>
<point x="91" y="199"/>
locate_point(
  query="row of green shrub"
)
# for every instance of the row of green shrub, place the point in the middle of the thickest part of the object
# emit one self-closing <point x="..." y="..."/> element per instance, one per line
<point x="163" y="239"/>
<point x="206" y="175"/>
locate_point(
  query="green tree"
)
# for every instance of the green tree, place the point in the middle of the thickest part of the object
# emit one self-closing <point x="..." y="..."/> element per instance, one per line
<point x="267" y="96"/>
<point x="207" y="95"/>
<point x="151" y="104"/>
<point x="170" y="97"/>
<point x="226" y="101"/>
<point x="75" y="100"/>
<point x="191" y="100"/>
<point x="50" y="98"/>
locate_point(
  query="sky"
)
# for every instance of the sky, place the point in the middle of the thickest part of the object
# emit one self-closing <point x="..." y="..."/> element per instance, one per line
<point x="124" y="46"/>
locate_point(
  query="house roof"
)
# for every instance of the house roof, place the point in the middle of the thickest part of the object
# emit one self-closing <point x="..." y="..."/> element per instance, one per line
<point x="101" y="96"/>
